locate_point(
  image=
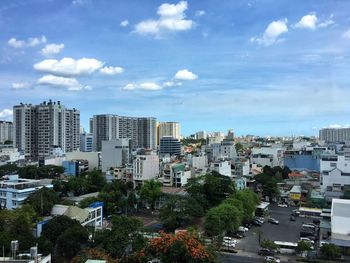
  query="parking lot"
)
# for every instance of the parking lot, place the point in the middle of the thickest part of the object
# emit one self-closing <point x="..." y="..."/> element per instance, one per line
<point x="286" y="230"/>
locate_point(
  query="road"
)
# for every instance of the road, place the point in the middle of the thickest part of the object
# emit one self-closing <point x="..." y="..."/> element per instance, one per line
<point x="225" y="258"/>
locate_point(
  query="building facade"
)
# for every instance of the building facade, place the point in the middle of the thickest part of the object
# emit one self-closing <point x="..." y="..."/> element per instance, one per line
<point x="142" y="131"/>
<point x="145" y="167"/>
<point x="40" y="128"/>
<point x="6" y="131"/>
<point x="171" y="129"/>
<point x="169" y="145"/>
<point x="335" y="134"/>
<point x="116" y="153"/>
<point x="86" y="142"/>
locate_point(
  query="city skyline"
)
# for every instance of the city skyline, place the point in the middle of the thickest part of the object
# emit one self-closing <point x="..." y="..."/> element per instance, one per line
<point x="271" y="68"/>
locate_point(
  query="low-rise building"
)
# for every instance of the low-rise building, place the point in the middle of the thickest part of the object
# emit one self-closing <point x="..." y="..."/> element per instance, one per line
<point x="222" y="167"/>
<point x="14" y="190"/>
<point x="145" y="167"/>
<point x="340" y="223"/>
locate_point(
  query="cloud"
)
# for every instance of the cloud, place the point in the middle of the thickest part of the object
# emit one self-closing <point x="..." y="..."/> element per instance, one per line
<point x="111" y="70"/>
<point x="62" y="82"/>
<point x="337" y="126"/>
<point x="79" y="2"/>
<point x="310" y="21"/>
<point x="171" y="84"/>
<point x="20" y="85"/>
<point x="347" y="34"/>
<point x="171" y="19"/>
<point x="6" y="114"/>
<point x="51" y="49"/>
<point x="68" y="66"/>
<point x="124" y="23"/>
<point x="272" y="33"/>
<point x="200" y="13"/>
<point x="185" y="75"/>
<point x="30" y="42"/>
<point x="151" y="86"/>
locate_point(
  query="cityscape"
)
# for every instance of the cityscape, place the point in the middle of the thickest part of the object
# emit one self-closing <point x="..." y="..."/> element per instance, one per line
<point x="176" y="131"/>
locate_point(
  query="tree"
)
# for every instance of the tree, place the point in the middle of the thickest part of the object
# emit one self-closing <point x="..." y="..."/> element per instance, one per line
<point x="330" y="251"/>
<point x="71" y="241"/>
<point x="124" y="235"/>
<point x="222" y="218"/>
<point x="249" y="200"/>
<point x="151" y="192"/>
<point x="266" y="243"/>
<point x="43" y="200"/>
<point x="175" y="212"/>
<point x="179" y="248"/>
<point x="303" y="246"/>
<point x="217" y="187"/>
<point x="239" y="147"/>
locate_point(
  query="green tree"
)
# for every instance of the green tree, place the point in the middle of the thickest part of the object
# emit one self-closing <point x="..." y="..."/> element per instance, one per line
<point x="239" y="147"/>
<point x="124" y="235"/>
<point x="330" y="251"/>
<point x="303" y="246"/>
<point x="43" y="200"/>
<point x="175" y="212"/>
<point x="266" y="243"/>
<point x="151" y="192"/>
<point x="249" y="201"/>
<point x="71" y="241"/>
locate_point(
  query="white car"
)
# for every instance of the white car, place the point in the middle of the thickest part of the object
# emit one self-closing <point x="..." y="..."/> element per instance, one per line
<point x="282" y="205"/>
<point x="228" y="244"/>
<point x="308" y="240"/>
<point x="272" y="259"/>
<point x="243" y="229"/>
<point x="229" y="239"/>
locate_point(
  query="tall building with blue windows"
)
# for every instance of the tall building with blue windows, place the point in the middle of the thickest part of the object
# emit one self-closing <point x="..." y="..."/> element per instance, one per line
<point x="169" y="145"/>
<point x="86" y="142"/>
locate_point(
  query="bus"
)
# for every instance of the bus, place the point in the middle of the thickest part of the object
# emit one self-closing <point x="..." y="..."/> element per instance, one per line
<point x="286" y="247"/>
<point x="310" y="212"/>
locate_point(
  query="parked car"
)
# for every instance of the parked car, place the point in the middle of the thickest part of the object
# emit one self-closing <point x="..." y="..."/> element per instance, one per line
<point x="238" y="235"/>
<point x="296" y="212"/>
<point x="282" y="205"/>
<point x="256" y="223"/>
<point x="243" y="229"/>
<point x="228" y="244"/>
<point x="308" y="240"/>
<point x="292" y="218"/>
<point x="272" y="259"/>
<point x="229" y="239"/>
<point x="273" y="221"/>
<point x="265" y="252"/>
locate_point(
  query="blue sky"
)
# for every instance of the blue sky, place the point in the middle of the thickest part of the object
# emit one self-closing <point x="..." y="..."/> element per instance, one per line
<point x="268" y="67"/>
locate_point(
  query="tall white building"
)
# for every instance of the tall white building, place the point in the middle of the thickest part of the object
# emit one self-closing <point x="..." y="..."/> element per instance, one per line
<point x="142" y="131"/>
<point x="40" y="128"/>
<point x="6" y="131"/>
<point x="335" y="134"/>
<point x="171" y="129"/>
<point x="145" y="167"/>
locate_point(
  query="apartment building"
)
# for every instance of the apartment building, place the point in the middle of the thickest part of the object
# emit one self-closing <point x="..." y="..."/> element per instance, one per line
<point x="171" y="129"/>
<point x="169" y="145"/>
<point x="335" y="134"/>
<point x="86" y="142"/>
<point x="40" y="128"/>
<point x="6" y="131"/>
<point x="106" y="127"/>
<point x="145" y="167"/>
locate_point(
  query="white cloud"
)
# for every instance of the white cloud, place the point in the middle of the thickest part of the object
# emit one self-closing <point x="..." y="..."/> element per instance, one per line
<point x="272" y="33"/>
<point x="124" y="23"/>
<point x="171" y="84"/>
<point x="151" y="86"/>
<point x="200" y="13"/>
<point x="171" y="18"/>
<point x="111" y="70"/>
<point x="69" y="66"/>
<point x="185" y="75"/>
<point x="79" y="2"/>
<point x="20" y="85"/>
<point x="62" y="82"/>
<point x="347" y="34"/>
<point x="30" y="42"/>
<point x="51" y="49"/>
<point x="6" y="114"/>
<point x="337" y="126"/>
<point x="310" y="21"/>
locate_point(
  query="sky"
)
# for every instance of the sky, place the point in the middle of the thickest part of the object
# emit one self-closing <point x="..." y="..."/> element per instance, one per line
<point x="262" y="67"/>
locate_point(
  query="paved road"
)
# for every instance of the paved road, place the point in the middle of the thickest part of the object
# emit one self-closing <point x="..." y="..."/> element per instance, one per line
<point x="224" y="258"/>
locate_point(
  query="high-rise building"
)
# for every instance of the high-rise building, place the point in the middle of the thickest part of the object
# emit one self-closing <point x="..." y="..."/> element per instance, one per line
<point x="335" y="134"/>
<point x="6" y="131"/>
<point x="106" y="127"/>
<point x="168" y="129"/>
<point x="40" y="128"/>
<point x="169" y="145"/>
<point x="86" y="141"/>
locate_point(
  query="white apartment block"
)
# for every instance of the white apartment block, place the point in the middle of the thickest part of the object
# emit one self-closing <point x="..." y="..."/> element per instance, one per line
<point x="199" y="162"/>
<point x="175" y="174"/>
<point x="145" y="167"/>
<point x="115" y="153"/>
<point x="6" y="131"/>
<point x="171" y="129"/>
<point x="40" y="128"/>
<point x="335" y="172"/>
<point x="14" y="190"/>
<point x="228" y="150"/>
